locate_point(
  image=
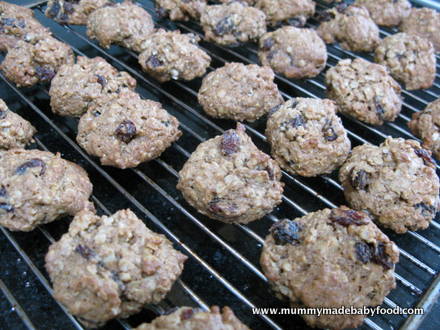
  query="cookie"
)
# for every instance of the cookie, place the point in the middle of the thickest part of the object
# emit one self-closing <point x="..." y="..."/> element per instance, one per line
<point x="15" y="132"/>
<point x="232" y="23"/>
<point x="171" y="55"/>
<point x="409" y="58"/>
<point x="111" y="266"/>
<point x="76" y="87"/>
<point x="293" y="52"/>
<point x="426" y="125"/>
<point x="386" y="12"/>
<point x="195" y="318"/>
<point x="306" y="137"/>
<point x="239" y="92"/>
<point x="17" y="23"/>
<point x="278" y="11"/>
<point x="37" y="187"/>
<point x="125" y="24"/>
<point x="180" y="10"/>
<point x="351" y="26"/>
<point x="228" y="179"/>
<point x="36" y="61"/>
<point x="396" y="182"/>
<point x="127" y="130"/>
<point x="73" y="11"/>
<point x="425" y="23"/>
<point x="330" y="259"/>
<point x="364" y="90"/>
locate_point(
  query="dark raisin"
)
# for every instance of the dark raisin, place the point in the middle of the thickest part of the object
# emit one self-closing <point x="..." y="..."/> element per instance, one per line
<point x="360" y="180"/>
<point x="230" y="143"/>
<point x="187" y="314"/>
<point x="297" y="121"/>
<point x="21" y="23"/>
<point x="101" y="80"/>
<point x="154" y="61"/>
<point x="36" y="162"/>
<point x="8" y="21"/>
<point x="63" y="18"/>
<point x="126" y="131"/>
<point x="3" y="191"/>
<point x="44" y="74"/>
<point x="270" y="173"/>
<point x="380" y="257"/>
<point x="324" y="16"/>
<point x="8" y="208"/>
<point x="364" y="252"/>
<point x="380" y="112"/>
<point x="115" y="277"/>
<point x="54" y="9"/>
<point x="285" y="232"/>
<point x="271" y="54"/>
<point x="85" y="251"/>
<point x="297" y="21"/>
<point x="329" y="131"/>
<point x="268" y="43"/>
<point x="428" y="211"/>
<point x="425" y="155"/>
<point x="2" y="114"/>
<point x="68" y="8"/>
<point x="96" y="113"/>
<point x="274" y="109"/>
<point x="224" y="26"/>
<point x="293" y="103"/>
<point x="219" y="205"/>
<point x="347" y="217"/>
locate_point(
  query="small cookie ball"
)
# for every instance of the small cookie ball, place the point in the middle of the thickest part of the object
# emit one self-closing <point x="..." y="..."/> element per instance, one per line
<point x="172" y="55"/>
<point x="425" y="23"/>
<point x="386" y="12"/>
<point x="364" y="90"/>
<point x="180" y="10"/>
<point x="278" y="11"/>
<point x="240" y="92"/>
<point x="396" y="182"/>
<point x="73" y="11"/>
<point x="111" y="266"/>
<point x="228" y="179"/>
<point x="293" y="52"/>
<point x="409" y="58"/>
<point x="307" y="138"/>
<point x="330" y="258"/>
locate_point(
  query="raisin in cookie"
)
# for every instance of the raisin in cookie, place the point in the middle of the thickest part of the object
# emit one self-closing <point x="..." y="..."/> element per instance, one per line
<point x="73" y="11"/>
<point x="386" y="12"/>
<point x="240" y="92"/>
<point x="364" y="90"/>
<point x="76" y="86"/>
<point x="17" y="23"/>
<point x="180" y="10"/>
<point x="331" y="259"/>
<point x="228" y="179"/>
<point x="173" y="55"/>
<point x="293" y="52"/>
<point x="232" y="23"/>
<point x="37" y="187"/>
<point x="425" y="23"/>
<point x="15" y="132"/>
<point x="29" y="63"/>
<point x="307" y="138"/>
<point x="409" y="58"/>
<point x="351" y="26"/>
<point x="426" y="125"/>
<point x="127" y="130"/>
<point x="195" y="318"/>
<point x="125" y="24"/>
<point x="396" y="182"/>
<point x="278" y="11"/>
<point x="111" y="266"/>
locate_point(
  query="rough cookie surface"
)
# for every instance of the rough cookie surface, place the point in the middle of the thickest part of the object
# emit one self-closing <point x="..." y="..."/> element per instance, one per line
<point x="37" y="187"/>
<point x="351" y="26"/>
<point x="293" y="52"/>
<point x="386" y="12"/>
<point x="364" y="90"/>
<point x="38" y="60"/>
<point x="17" y="23"/>
<point x="187" y="318"/>
<point x="172" y="55"/>
<point x="111" y="266"/>
<point x="125" y="24"/>
<point x="426" y="125"/>
<point x="307" y="138"/>
<point x="76" y="87"/>
<point x="127" y="130"/>
<point x="396" y="182"/>
<point x="409" y="58"/>
<point x="73" y="11"/>
<point x="232" y="23"/>
<point x="228" y="179"/>
<point x="278" y="11"/>
<point x="330" y="258"/>
<point x="240" y="92"/>
<point x="425" y="23"/>
<point x="180" y="10"/>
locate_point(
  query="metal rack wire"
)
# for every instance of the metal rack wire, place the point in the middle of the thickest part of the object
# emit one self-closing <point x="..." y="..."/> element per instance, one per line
<point x="223" y="266"/>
